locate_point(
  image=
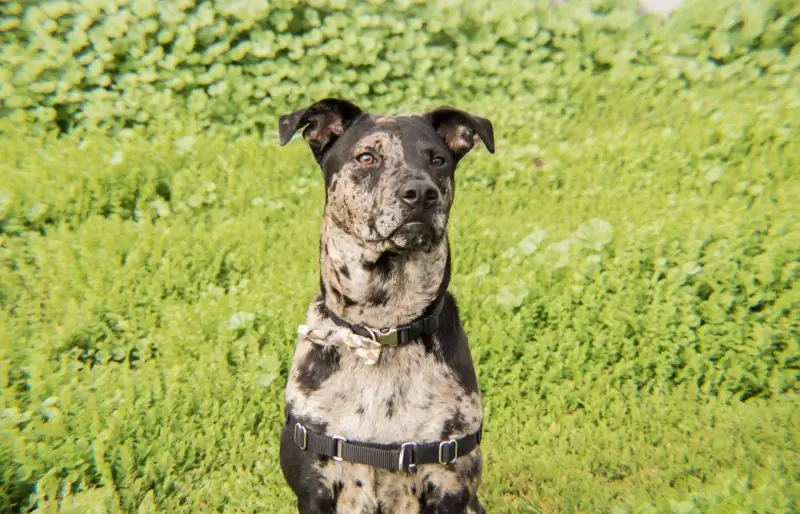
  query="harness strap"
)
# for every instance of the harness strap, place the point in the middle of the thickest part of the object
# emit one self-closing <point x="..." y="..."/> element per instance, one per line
<point x="394" y="457"/>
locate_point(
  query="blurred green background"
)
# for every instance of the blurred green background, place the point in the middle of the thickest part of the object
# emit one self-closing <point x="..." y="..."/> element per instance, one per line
<point x="626" y="263"/>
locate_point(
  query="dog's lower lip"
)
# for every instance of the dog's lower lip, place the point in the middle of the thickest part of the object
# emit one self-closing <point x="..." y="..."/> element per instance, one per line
<point x="409" y="225"/>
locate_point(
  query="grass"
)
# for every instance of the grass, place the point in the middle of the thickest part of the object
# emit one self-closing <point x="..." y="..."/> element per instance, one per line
<point x="626" y="265"/>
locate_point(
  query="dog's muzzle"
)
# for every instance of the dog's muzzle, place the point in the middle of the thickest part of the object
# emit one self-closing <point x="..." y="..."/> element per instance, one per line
<point x="420" y="199"/>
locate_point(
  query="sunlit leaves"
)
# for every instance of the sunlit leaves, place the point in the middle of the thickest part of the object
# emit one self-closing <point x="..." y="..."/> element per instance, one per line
<point x="396" y="50"/>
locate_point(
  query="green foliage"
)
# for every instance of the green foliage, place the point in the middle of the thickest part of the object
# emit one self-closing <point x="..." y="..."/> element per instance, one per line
<point x="630" y="287"/>
<point x="626" y="264"/>
<point x="125" y="63"/>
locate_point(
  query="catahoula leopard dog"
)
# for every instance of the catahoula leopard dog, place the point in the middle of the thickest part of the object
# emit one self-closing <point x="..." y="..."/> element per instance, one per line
<point x="383" y="407"/>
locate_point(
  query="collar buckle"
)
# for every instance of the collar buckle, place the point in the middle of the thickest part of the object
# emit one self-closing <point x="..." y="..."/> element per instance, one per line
<point x="384" y="336"/>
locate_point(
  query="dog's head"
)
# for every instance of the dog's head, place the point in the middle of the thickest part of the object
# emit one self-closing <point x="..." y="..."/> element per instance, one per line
<point x="389" y="179"/>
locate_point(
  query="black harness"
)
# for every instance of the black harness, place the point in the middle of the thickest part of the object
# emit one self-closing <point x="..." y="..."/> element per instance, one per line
<point x="394" y="457"/>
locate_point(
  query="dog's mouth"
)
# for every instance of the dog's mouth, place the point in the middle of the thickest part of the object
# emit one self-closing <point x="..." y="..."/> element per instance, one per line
<point x="413" y="234"/>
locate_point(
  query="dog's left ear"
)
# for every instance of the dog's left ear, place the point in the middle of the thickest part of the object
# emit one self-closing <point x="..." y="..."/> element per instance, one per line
<point x="458" y="129"/>
<point x="326" y="119"/>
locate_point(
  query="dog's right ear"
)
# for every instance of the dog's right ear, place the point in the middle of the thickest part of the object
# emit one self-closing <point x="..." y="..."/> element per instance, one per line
<point x="326" y="119"/>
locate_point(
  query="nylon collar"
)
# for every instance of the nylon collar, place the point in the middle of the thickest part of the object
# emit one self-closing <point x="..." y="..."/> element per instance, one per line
<point x="426" y="324"/>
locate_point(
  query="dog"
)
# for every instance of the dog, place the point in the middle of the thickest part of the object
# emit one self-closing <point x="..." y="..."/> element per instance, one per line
<point x="383" y="408"/>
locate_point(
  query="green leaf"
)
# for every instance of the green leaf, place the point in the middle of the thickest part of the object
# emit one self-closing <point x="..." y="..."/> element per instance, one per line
<point x="595" y="234"/>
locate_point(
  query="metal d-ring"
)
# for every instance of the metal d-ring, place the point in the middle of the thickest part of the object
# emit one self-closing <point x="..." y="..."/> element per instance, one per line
<point x="442" y="446"/>
<point x="302" y="430"/>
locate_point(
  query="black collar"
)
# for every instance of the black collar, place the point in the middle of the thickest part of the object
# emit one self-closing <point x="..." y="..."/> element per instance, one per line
<point x="393" y="336"/>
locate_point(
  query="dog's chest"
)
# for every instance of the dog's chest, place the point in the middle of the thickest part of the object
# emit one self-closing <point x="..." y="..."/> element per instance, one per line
<point x="407" y="396"/>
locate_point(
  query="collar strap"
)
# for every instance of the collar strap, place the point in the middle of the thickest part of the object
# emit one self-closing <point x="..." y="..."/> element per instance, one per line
<point x="394" y="457"/>
<point x="401" y="334"/>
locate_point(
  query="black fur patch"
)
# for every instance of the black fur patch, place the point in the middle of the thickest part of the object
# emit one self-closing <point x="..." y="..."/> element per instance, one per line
<point x="433" y="502"/>
<point x="378" y="296"/>
<point x="344" y="271"/>
<point x="318" y="503"/>
<point x="319" y="364"/>
<point x="454" y="425"/>
<point x="474" y="470"/>
<point x="319" y="307"/>
<point x="373" y="179"/>
<point x="476" y="506"/>
<point x="371" y="224"/>
<point x="383" y="266"/>
<point x="452" y="348"/>
<point x="295" y="464"/>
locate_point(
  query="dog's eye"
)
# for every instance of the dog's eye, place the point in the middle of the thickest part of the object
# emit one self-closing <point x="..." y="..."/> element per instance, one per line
<point x="366" y="159"/>
<point x="437" y="161"/>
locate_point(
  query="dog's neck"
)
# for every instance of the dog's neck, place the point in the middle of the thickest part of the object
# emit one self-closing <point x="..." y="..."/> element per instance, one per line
<point x="379" y="289"/>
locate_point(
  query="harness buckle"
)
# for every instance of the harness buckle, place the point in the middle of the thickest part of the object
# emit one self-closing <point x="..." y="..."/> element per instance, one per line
<point x="401" y="460"/>
<point x="337" y="448"/>
<point x="443" y="446"/>
<point x="300" y="429"/>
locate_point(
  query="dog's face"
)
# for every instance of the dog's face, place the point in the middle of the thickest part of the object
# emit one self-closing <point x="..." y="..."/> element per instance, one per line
<point x="389" y="180"/>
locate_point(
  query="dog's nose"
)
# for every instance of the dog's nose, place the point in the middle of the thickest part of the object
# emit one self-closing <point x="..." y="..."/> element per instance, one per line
<point x="420" y="193"/>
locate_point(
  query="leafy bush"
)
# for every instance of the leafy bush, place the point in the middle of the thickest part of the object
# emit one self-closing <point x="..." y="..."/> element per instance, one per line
<point x="124" y="63"/>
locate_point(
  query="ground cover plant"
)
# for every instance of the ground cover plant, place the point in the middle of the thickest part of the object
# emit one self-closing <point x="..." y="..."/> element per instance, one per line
<point x="626" y="263"/>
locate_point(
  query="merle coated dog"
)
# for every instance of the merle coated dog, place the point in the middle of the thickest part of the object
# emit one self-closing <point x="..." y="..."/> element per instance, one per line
<point x="383" y="408"/>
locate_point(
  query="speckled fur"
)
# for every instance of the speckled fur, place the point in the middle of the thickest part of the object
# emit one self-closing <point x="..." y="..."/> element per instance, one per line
<point x="378" y="270"/>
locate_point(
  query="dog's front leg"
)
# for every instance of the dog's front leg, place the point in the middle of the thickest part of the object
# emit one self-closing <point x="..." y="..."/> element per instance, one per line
<point x="316" y="505"/>
<point x="302" y="475"/>
<point x="453" y="490"/>
<point x="452" y="502"/>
